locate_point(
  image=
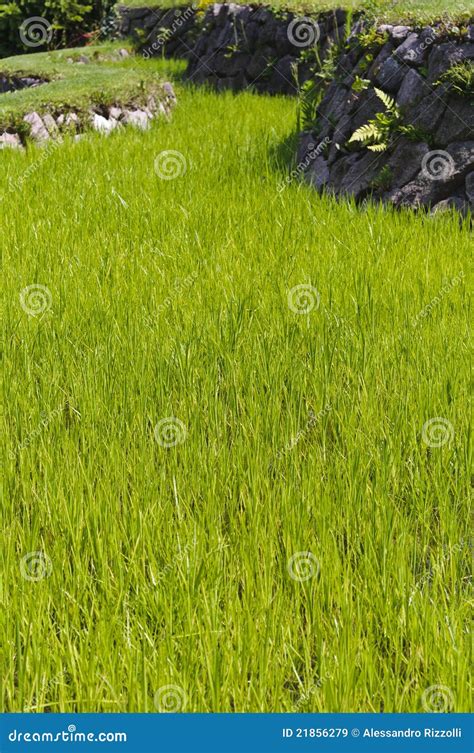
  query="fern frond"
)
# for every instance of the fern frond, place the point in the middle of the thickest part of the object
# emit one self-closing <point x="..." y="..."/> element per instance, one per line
<point x="378" y="147"/>
<point x="367" y="132"/>
<point x="388" y="101"/>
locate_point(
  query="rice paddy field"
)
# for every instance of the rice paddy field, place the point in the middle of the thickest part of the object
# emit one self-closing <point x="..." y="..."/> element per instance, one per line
<point x="236" y="421"/>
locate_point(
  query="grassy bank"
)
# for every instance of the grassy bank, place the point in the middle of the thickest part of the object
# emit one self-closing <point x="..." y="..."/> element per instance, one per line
<point x="299" y="539"/>
<point x="74" y="84"/>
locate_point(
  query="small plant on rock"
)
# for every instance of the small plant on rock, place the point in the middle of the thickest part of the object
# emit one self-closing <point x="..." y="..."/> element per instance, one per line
<point x="460" y="78"/>
<point x="360" y="84"/>
<point x="372" y="39"/>
<point x="376" y="133"/>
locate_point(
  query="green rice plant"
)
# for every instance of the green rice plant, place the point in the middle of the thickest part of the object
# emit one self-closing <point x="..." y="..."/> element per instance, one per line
<point x="221" y="468"/>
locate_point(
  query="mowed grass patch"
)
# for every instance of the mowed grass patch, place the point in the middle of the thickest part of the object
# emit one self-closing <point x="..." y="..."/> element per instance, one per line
<point x="295" y="432"/>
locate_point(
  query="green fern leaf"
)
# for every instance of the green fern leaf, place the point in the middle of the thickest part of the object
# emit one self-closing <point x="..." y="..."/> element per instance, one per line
<point x="365" y="133"/>
<point x="388" y="101"/>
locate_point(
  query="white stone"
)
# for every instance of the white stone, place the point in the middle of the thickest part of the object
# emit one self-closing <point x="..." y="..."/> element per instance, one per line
<point x="50" y="123"/>
<point x="137" y="119"/>
<point x="38" y="130"/>
<point x="115" y="112"/>
<point x="10" y="140"/>
<point x="71" y="120"/>
<point x="101" y="124"/>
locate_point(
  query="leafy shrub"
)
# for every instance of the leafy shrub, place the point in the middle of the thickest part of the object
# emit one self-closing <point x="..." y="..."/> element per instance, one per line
<point x="69" y="21"/>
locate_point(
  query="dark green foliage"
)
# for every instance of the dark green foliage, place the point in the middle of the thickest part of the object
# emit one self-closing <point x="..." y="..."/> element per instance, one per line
<point x="312" y="91"/>
<point x="70" y="21"/>
<point x="383" y="181"/>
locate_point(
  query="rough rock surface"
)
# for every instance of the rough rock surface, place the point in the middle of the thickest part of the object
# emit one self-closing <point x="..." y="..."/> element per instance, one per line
<point x="236" y="46"/>
<point x="431" y="165"/>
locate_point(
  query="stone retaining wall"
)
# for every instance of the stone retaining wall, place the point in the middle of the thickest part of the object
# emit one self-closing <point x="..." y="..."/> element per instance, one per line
<point x="236" y="46"/>
<point x="348" y="67"/>
<point x="429" y="159"/>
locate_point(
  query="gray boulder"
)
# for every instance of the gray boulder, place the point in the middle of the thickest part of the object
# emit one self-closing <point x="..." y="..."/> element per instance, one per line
<point x="259" y="62"/>
<point x="384" y="55"/>
<point x="470" y="187"/>
<point x="420" y="192"/>
<point x="72" y="121"/>
<point x="391" y="75"/>
<point x="399" y="33"/>
<point x="364" y="108"/>
<point x="50" y="124"/>
<point x="450" y="204"/>
<point x="406" y="160"/>
<point x="457" y="123"/>
<point x="317" y="174"/>
<point x="427" y="114"/>
<point x="462" y="153"/>
<point x="409" y="50"/>
<point x="359" y="178"/>
<point x="412" y="90"/>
